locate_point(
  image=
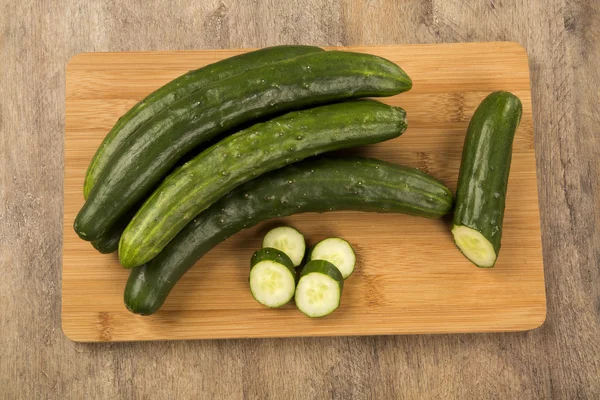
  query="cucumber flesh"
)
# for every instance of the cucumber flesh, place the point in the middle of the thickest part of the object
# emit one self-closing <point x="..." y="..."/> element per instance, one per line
<point x="319" y="289"/>
<point x="271" y="284"/>
<point x="474" y="246"/>
<point x="287" y="240"/>
<point x="338" y="252"/>
<point x="272" y="278"/>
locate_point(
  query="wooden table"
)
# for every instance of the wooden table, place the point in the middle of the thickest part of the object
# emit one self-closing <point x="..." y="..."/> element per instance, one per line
<point x="559" y="360"/>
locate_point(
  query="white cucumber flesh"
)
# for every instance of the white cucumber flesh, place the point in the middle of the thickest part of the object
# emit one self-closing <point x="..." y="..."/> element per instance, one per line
<point x="317" y="295"/>
<point x="287" y="240"/>
<point x="271" y="283"/>
<point x="474" y="246"/>
<point x="338" y="252"/>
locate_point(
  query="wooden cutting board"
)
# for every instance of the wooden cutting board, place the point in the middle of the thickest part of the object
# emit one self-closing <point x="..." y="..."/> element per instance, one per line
<point x="410" y="277"/>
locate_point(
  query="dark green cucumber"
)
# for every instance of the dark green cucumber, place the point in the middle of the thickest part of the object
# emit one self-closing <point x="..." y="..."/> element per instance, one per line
<point x="109" y="242"/>
<point x="322" y="185"/>
<point x="483" y="178"/>
<point x="319" y="289"/>
<point x="177" y="89"/>
<point x="304" y="81"/>
<point x="272" y="277"/>
<point x="245" y="155"/>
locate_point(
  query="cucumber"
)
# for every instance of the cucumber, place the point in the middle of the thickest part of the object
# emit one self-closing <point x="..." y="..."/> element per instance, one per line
<point x="314" y="185"/>
<point x="146" y="157"/>
<point x="109" y="242"/>
<point x="272" y="277"/>
<point x="338" y="252"/>
<point x="319" y="289"/>
<point x="288" y="240"/>
<point x="483" y="178"/>
<point x="245" y="155"/>
<point x="177" y="89"/>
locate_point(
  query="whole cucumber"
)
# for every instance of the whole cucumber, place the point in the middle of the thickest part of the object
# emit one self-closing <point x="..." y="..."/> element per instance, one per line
<point x="304" y="81"/>
<point x="323" y="185"/>
<point x="177" y="89"/>
<point x="246" y="155"/>
<point x="483" y="178"/>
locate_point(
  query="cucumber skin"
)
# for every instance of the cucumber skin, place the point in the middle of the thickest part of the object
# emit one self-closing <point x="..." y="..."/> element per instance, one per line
<point x="317" y="185"/>
<point x="109" y="242"/>
<point x="485" y="166"/>
<point x="304" y="81"/>
<point x="271" y="254"/>
<point x="177" y="89"/>
<point x="326" y="268"/>
<point x="246" y="154"/>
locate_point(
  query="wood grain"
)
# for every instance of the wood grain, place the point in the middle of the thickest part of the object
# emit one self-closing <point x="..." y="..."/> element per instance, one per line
<point x="559" y="360"/>
<point x="410" y="278"/>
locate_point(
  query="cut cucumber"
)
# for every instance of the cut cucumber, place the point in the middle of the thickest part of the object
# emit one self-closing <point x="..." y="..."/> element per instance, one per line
<point x="474" y="246"/>
<point x="272" y="277"/>
<point x="338" y="252"/>
<point x="320" y="289"/>
<point x="288" y="240"/>
<point x="483" y="178"/>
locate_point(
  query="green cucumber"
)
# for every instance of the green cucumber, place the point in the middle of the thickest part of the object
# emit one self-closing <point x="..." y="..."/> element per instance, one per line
<point x="288" y="240"/>
<point x="338" y="252"/>
<point x="272" y="277"/>
<point x="146" y="157"/>
<point x="319" y="290"/>
<point x="245" y="155"/>
<point x="313" y="185"/>
<point x="177" y="89"/>
<point x="109" y="242"/>
<point x="483" y="178"/>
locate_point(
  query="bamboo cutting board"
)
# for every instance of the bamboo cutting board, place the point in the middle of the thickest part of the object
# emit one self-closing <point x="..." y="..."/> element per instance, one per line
<point x="410" y="277"/>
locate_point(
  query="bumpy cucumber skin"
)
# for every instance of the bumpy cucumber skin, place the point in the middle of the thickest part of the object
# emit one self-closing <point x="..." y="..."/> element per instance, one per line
<point x="314" y="185"/>
<point x="301" y="82"/>
<point x="485" y="166"/>
<point x="245" y="155"/>
<point x="177" y="89"/>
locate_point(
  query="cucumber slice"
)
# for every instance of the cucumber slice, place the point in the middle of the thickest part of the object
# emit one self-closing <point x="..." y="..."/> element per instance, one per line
<point x="288" y="240"/>
<point x="474" y="246"/>
<point x="320" y="289"/>
<point x="272" y="277"/>
<point x="338" y="252"/>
